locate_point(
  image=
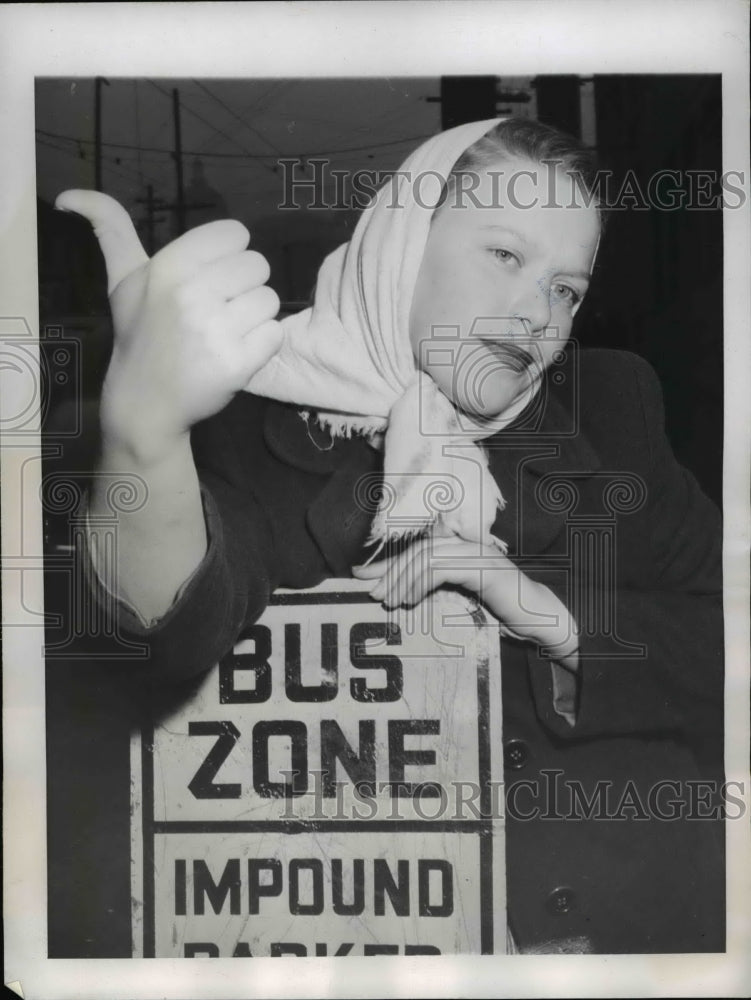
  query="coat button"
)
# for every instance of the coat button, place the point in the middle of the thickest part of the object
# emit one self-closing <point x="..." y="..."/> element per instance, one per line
<point x="561" y="900"/>
<point x="515" y="754"/>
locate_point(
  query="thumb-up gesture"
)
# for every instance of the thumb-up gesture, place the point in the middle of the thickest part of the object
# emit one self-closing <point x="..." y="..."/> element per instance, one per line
<point x="192" y="324"/>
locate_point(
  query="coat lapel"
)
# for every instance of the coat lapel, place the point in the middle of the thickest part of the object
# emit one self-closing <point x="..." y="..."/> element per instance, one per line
<point x="540" y="474"/>
<point x="337" y="521"/>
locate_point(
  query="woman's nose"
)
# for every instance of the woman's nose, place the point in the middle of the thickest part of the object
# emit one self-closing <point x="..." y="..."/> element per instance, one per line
<point x="533" y="306"/>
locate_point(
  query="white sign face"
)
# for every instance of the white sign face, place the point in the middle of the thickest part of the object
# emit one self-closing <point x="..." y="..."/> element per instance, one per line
<point x="333" y="787"/>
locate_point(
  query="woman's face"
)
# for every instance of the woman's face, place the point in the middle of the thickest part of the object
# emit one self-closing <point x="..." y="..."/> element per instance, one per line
<point x="507" y="264"/>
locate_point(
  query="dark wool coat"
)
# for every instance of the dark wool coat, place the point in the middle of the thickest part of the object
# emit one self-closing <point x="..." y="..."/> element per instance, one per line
<point x="600" y="511"/>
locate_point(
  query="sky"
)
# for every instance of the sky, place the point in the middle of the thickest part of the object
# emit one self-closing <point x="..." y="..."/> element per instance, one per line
<point x="237" y="128"/>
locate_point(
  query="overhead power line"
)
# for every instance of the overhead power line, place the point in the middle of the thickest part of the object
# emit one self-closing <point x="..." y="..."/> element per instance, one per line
<point x="200" y="118"/>
<point x="239" y="118"/>
<point x="126" y="172"/>
<point x="215" y="130"/>
<point x="238" y="156"/>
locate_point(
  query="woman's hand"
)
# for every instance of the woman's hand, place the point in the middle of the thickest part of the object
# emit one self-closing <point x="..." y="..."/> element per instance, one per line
<point x="192" y="324"/>
<point x="528" y="609"/>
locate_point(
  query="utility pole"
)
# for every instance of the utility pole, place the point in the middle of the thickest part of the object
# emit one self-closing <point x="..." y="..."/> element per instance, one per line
<point x="150" y="210"/>
<point x="178" y="154"/>
<point x="98" y="81"/>
<point x="559" y="102"/>
<point x="153" y="205"/>
<point x="466" y="99"/>
<point x="472" y="98"/>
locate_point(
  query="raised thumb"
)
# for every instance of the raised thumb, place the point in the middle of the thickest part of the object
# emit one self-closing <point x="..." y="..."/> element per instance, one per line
<point x="121" y="247"/>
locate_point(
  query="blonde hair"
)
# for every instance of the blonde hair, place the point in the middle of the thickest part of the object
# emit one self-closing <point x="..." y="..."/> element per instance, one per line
<point x="525" y="138"/>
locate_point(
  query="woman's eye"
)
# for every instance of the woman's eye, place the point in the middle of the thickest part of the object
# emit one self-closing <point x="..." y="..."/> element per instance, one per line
<point x="504" y="256"/>
<point x="567" y="294"/>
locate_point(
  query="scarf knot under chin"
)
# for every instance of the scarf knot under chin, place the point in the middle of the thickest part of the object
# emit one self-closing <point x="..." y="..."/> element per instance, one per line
<point x="437" y="480"/>
<point x="350" y="357"/>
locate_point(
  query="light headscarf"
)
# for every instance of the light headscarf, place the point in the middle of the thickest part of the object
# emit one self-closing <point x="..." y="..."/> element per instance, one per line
<point x="350" y="357"/>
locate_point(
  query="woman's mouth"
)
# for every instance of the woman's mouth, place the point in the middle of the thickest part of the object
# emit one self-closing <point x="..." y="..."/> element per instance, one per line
<point x="512" y="355"/>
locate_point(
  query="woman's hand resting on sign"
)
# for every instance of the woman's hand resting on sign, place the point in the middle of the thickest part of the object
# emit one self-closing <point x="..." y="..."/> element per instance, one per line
<point x="528" y="609"/>
<point x="191" y="325"/>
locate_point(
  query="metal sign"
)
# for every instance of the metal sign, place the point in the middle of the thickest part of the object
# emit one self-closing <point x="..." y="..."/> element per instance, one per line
<point x="331" y="788"/>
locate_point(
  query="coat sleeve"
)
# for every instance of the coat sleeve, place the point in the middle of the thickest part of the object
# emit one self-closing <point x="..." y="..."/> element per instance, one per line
<point x="230" y="587"/>
<point x="677" y="684"/>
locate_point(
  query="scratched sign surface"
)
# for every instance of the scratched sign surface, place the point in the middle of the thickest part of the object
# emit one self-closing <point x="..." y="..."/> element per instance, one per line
<point x="330" y="788"/>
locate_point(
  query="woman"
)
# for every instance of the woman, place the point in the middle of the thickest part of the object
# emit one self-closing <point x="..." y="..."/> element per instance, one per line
<point x="611" y="666"/>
